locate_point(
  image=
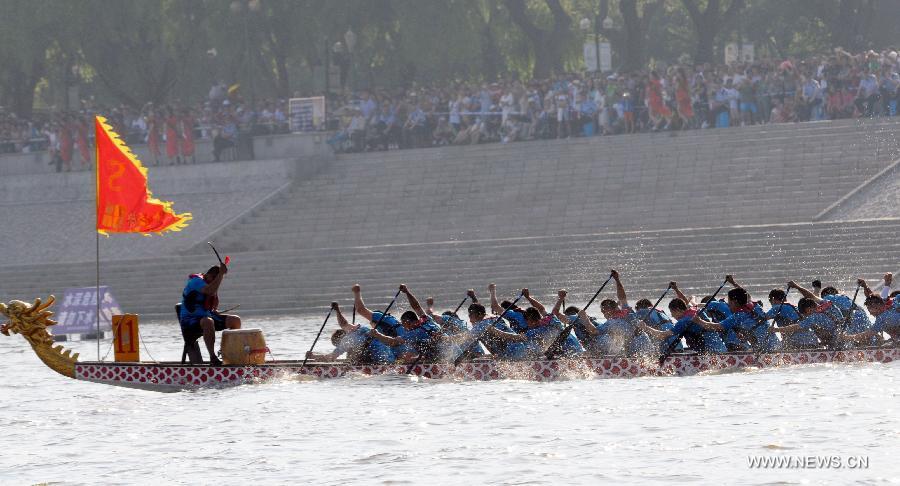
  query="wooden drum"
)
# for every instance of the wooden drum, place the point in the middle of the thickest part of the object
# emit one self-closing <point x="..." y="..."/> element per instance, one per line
<point x="243" y="346"/>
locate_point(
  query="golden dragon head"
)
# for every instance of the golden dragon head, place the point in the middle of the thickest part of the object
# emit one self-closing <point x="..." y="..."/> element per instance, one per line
<point x="29" y="320"/>
<point x="32" y="321"/>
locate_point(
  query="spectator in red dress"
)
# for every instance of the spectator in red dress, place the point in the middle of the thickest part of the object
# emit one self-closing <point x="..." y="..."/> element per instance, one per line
<point x="172" y="136"/>
<point x="187" y="135"/>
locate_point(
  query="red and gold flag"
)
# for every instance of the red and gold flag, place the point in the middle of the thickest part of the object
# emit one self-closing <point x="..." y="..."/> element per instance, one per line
<point x="124" y="202"/>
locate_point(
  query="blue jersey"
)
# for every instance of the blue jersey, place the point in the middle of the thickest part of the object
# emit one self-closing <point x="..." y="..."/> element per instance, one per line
<point x="389" y="326"/>
<point x="698" y="338"/>
<point x="822" y="324"/>
<point x="591" y="343"/>
<point x="542" y="337"/>
<point x="454" y="325"/>
<point x="516" y="320"/>
<point x="753" y="325"/>
<point x="859" y="320"/>
<point x="193" y="299"/>
<point x="429" y="341"/>
<point x="659" y="320"/>
<point x="889" y="322"/>
<point x="375" y="352"/>
<point x="503" y="349"/>
<point x="617" y="332"/>
<point x="718" y="311"/>
<point x="785" y="315"/>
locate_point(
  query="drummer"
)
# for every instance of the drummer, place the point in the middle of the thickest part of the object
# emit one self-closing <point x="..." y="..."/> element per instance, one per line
<point x="199" y="314"/>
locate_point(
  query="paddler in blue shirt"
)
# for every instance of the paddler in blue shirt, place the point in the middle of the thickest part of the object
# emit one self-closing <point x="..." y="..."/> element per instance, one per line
<point x="585" y="328"/>
<point x="784" y="314"/>
<point x="718" y="311"/>
<point x="515" y="315"/>
<point x="544" y="328"/>
<point x="817" y="318"/>
<point x="654" y="344"/>
<point x="747" y="320"/>
<point x="389" y="325"/>
<point x="887" y="319"/>
<point x="361" y="345"/>
<point x="498" y="337"/>
<point x="449" y="320"/>
<point x="699" y="339"/>
<point x="199" y="315"/>
<point x="617" y="333"/>
<point x="425" y="340"/>
<point x="843" y="305"/>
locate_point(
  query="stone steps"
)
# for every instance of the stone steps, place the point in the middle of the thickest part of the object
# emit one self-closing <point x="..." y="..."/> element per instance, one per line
<point x="303" y="281"/>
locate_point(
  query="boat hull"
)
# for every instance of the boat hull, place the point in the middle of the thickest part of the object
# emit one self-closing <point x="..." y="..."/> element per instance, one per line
<point x="175" y="376"/>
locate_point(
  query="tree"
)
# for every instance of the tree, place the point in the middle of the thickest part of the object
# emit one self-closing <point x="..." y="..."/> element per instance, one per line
<point x="709" y="22"/>
<point x="548" y="45"/>
<point x="636" y="27"/>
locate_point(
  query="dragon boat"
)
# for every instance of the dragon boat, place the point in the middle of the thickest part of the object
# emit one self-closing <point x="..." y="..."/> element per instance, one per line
<point x="33" y="320"/>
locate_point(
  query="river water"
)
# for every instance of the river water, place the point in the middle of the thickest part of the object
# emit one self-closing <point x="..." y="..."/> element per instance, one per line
<point x="839" y="421"/>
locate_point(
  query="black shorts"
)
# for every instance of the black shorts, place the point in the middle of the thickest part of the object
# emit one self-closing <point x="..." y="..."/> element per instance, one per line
<point x="190" y="326"/>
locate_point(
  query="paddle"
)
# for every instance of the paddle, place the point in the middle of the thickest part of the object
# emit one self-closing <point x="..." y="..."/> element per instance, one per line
<point x="674" y="343"/>
<point x="461" y="304"/>
<point x="661" y="297"/>
<point x="422" y="355"/>
<point x="318" y="335"/>
<point x="468" y="351"/>
<point x="383" y="314"/>
<point x="554" y="348"/>
<point x="227" y="258"/>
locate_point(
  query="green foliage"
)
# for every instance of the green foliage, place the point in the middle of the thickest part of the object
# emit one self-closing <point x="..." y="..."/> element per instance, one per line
<point x="134" y="51"/>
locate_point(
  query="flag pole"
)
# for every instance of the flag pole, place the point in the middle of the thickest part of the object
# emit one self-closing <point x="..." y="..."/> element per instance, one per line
<point x="97" y="234"/>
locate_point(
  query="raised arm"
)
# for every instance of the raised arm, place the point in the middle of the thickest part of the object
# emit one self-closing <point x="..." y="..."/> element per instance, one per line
<point x="678" y="292"/>
<point x="413" y="301"/>
<point x="620" y="290"/>
<point x="730" y="279"/>
<point x="429" y="309"/>
<point x="361" y="308"/>
<point x="865" y="286"/>
<point x="342" y="321"/>
<point x="495" y="304"/>
<point x="534" y="303"/>
<point x="804" y="292"/>
<point x="557" y="308"/>
<point x="472" y="296"/>
<point x="886" y="286"/>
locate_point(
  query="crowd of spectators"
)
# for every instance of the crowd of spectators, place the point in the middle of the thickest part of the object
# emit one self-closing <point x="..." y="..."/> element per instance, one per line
<point x="837" y="85"/>
<point x="679" y="97"/>
<point x="169" y="131"/>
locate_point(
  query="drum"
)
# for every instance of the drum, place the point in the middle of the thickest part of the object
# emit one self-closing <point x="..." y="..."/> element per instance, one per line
<point x="243" y="346"/>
